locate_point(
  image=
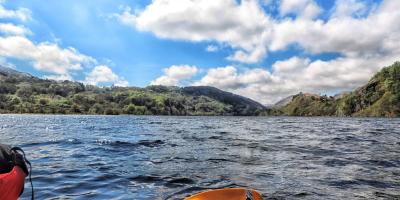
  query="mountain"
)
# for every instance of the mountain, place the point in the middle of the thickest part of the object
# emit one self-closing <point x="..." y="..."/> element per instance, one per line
<point x="23" y="93"/>
<point x="6" y="72"/>
<point x="341" y="95"/>
<point x="380" y="97"/>
<point x="241" y="105"/>
<point x="309" y="105"/>
<point x="283" y="102"/>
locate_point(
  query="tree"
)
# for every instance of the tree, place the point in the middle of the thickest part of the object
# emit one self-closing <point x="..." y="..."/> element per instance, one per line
<point x="7" y="88"/>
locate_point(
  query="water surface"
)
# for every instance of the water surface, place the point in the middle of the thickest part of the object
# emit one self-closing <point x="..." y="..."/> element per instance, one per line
<point x="160" y="157"/>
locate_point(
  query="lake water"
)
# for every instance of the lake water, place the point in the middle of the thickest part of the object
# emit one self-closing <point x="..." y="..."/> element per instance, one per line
<point x="160" y="157"/>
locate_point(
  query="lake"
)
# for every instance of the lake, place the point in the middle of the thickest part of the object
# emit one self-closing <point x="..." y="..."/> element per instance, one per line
<point x="163" y="157"/>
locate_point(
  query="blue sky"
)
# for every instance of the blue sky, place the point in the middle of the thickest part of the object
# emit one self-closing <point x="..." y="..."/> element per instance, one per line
<point x="259" y="48"/>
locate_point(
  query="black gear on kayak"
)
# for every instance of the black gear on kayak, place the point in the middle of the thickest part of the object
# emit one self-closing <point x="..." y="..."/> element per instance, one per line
<point x="15" y="156"/>
<point x="249" y="195"/>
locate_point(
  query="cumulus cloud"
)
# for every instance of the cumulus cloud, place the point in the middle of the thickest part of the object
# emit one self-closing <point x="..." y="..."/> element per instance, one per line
<point x="290" y="66"/>
<point x="245" y="82"/>
<point x="229" y="78"/>
<point x="212" y="48"/>
<point x="11" y="29"/>
<point x="44" y="56"/>
<point x="175" y="74"/>
<point x="222" y="77"/>
<point x="103" y="74"/>
<point x="367" y="36"/>
<point x="248" y="56"/>
<point x="59" y="77"/>
<point x="303" y="8"/>
<point x="349" y="8"/>
<point x="22" y="14"/>
<point x="239" y="24"/>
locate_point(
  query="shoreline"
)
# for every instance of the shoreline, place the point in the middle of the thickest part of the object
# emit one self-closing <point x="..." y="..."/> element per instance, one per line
<point x="244" y="116"/>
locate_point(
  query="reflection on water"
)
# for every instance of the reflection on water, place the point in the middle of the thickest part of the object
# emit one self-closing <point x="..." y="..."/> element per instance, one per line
<point x="154" y="157"/>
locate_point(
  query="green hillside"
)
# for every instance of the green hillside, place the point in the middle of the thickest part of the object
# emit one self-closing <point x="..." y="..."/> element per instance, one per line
<point x="380" y="97"/>
<point x="23" y="93"/>
<point x="310" y="105"/>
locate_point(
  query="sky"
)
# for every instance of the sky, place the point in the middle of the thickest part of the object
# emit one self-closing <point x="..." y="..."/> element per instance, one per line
<point x="262" y="49"/>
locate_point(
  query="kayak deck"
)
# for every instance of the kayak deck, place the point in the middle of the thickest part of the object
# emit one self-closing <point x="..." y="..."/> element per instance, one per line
<point x="227" y="194"/>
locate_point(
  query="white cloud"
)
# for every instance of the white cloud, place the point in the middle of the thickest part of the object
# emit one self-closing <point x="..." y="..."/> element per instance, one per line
<point x="22" y="14"/>
<point x="175" y="74"/>
<point x="228" y="78"/>
<point x="11" y="29"/>
<point x="103" y="74"/>
<point x="60" y="77"/>
<point x="288" y="67"/>
<point x="249" y="56"/>
<point x="44" y="56"/>
<point x="349" y="8"/>
<point x="371" y="35"/>
<point x="222" y="77"/>
<point x="212" y="48"/>
<point x="239" y="24"/>
<point x="303" y="8"/>
<point x="180" y="72"/>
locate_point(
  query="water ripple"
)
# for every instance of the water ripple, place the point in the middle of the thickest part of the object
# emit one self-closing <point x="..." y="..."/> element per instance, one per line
<point x="156" y="157"/>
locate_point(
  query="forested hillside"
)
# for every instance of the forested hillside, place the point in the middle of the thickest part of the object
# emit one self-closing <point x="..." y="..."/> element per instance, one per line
<point x="23" y="93"/>
<point x="380" y="97"/>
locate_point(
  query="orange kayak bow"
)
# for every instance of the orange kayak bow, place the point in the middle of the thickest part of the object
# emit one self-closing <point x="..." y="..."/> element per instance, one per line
<point x="227" y="194"/>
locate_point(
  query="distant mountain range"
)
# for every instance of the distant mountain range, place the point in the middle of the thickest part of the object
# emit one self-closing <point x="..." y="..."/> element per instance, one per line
<point x="23" y="93"/>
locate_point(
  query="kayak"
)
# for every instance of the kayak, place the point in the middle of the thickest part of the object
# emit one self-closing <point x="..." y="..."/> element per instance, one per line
<point x="227" y="194"/>
<point x="12" y="183"/>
